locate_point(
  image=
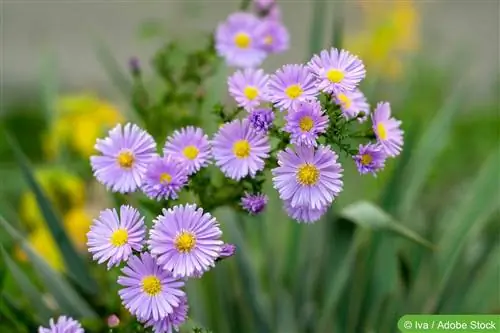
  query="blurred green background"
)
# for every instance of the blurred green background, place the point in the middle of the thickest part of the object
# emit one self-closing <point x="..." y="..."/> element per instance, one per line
<point x="422" y="237"/>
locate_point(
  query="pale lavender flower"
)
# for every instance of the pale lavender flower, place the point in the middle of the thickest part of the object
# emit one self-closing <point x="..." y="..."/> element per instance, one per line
<point x="228" y="250"/>
<point x="239" y="150"/>
<point x="185" y="240"/>
<point x="150" y="292"/>
<point x="165" y="177"/>
<point x="308" y="177"/>
<point x="337" y="70"/>
<point x="292" y="84"/>
<point x="172" y="322"/>
<point x="305" y="213"/>
<point x="352" y="103"/>
<point x="305" y="122"/>
<point x="370" y="158"/>
<point x="254" y="203"/>
<point x="273" y="36"/>
<point x="387" y="129"/>
<point x="126" y="153"/>
<point x="112" y="238"/>
<point x="62" y="325"/>
<point x="248" y="87"/>
<point x="261" y="119"/>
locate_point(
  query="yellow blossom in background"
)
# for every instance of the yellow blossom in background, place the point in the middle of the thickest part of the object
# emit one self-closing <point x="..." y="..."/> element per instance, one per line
<point x="390" y="32"/>
<point x="78" y="121"/>
<point x="77" y="223"/>
<point x="43" y="244"/>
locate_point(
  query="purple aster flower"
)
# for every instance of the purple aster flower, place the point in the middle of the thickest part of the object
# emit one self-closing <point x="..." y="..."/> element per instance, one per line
<point x="370" y="158"/>
<point x="228" y="250"/>
<point x="352" y="103"/>
<point x="62" y="325"/>
<point x="304" y="214"/>
<point x="307" y="176"/>
<point x="172" y="322"/>
<point x="337" y="71"/>
<point x="261" y="119"/>
<point x="292" y="84"/>
<point x="305" y="122"/>
<point x="387" y="129"/>
<point x="254" y="203"/>
<point x="239" y="150"/>
<point x="126" y="152"/>
<point x="273" y="36"/>
<point x="112" y="238"/>
<point x="165" y="177"/>
<point x="248" y="87"/>
<point x="150" y="292"/>
<point x="185" y="240"/>
<point x="236" y="40"/>
<point x="190" y="146"/>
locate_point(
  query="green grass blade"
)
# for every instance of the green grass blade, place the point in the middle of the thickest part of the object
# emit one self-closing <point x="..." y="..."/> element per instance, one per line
<point x="338" y="24"/>
<point x="317" y="31"/>
<point x="113" y="69"/>
<point x="48" y="82"/>
<point x="73" y="261"/>
<point x="43" y="313"/>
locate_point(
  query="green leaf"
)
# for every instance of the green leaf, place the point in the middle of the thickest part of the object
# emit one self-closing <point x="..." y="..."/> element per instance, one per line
<point x="43" y="313"/>
<point x="338" y="24"/>
<point x="317" y="31"/>
<point x="74" y="262"/>
<point x="369" y="216"/>
<point x="66" y="297"/>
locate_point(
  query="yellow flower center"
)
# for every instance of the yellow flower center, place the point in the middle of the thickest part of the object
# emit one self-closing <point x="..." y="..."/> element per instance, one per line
<point x="268" y="40"/>
<point x="165" y="178"/>
<point x="334" y="75"/>
<point x="241" y="149"/>
<point x="251" y="92"/>
<point x="344" y="100"/>
<point x="306" y="123"/>
<point x="307" y="174"/>
<point x="366" y="159"/>
<point x="293" y="91"/>
<point x="125" y="159"/>
<point x="185" y="242"/>
<point x="242" y="40"/>
<point x="119" y="238"/>
<point x="151" y="285"/>
<point x="191" y="152"/>
<point x="381" y="131"/>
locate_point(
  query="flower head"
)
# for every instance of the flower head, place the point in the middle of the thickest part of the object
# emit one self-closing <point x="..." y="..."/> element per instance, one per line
<point x="150" y="292"/>
<point x="185" y="240"/>
<point x="236" y="40"/>
<point x="304" y="214"/>
<point x="352" y="103"/>
<point x="261" y="119"/>
<point x="239" y="150"/>
<point x="307" y="176"/>
<point x="370" y="158"/>
<point x="292" y="84"/>
<point x="113" y="321"/>
<point x="190" y="146"/>
<point x="172" y="321"/>
<point x="387" y="129"/>
<point x="62" y="325"/>
<point x="305" y="122"/>
<point x="228" y="250"/>
<point x="112" y="237"/>
<point x="126" y="152"/>
<point x="248" y="87"/>
<point x="273" y="36"/>
<point x="254" y="203"/>
<point x="165" y="177"/>
<point x="337" y="70"/>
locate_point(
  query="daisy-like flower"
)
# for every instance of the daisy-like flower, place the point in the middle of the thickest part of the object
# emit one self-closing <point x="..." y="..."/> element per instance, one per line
<point x="305" y="122"/>
<point x="236" y="40"/>
<point x="261" y="119"/>
<point x="190" y="146"/>
<point x="62" y="325"/>
<point x="165" y="177"/>
<point x="239" y="150"/>
<point x="112" y="238"/>
<point x="273" y="36"/>
<point x="150" y="292"/>
<point x="308" y="177"/>
<point x="370" y="158"/>
<point x="387" y="129"/>
<point x="292" y="84"/>
<point x="304" y="214"/>
<point x="126" y="152"/>
<point x="254" y="203"/>
<point x="337" y="70"/>
<point x="352" y="103"/>
<point x="185" y="240"/>
<point x="172" y="322"/>
<point x="248" y="87"/>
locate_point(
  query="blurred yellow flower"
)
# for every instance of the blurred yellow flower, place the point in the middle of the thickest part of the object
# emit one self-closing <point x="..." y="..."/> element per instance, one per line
<point x="77" y="223"/>
<point x="78" y="121"/>
<point x="43" y="244"/>
<point x="391" y="31"/>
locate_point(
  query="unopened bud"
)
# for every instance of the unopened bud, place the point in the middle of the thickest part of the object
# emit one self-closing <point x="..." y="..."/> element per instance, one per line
<point x="113" y="321"/>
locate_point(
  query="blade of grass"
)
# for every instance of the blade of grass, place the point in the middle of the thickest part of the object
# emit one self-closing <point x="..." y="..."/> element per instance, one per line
<point x="317" y="31"/>
<point x="338" y="24"/>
